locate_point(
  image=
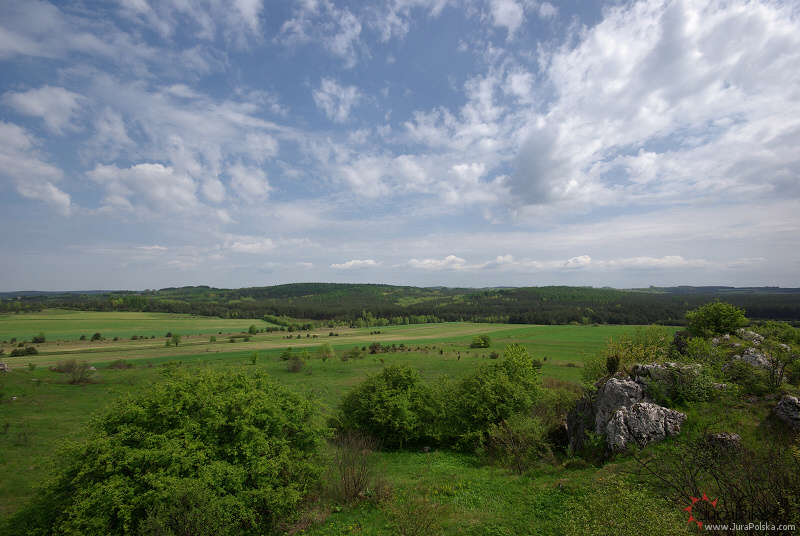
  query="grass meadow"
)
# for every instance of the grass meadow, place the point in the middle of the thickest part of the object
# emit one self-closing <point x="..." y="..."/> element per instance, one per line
<point x="40" y="409"/>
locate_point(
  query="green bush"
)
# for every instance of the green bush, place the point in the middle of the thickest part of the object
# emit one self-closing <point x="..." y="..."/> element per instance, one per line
<point x="752" y="480"/>
<point x="389" y="406"/>
<point x="29" y="350"/>
<point x="715" y="319"/>
<point x="207" y="449"/>
<point x="481" y="341"/>
<point x="518" y="443"/>
<point x="296" y="363"/>
<point x="647" y="344"/>
<point x="681" y="385"/>
<point x="466" y="409"/>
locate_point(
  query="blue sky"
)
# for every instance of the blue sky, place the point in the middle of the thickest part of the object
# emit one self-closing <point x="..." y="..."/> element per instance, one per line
<point x="236" y="143"/>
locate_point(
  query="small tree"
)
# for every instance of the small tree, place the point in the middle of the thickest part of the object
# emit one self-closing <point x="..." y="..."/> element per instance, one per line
<point x="325" y="351"/>
<point x="253" y="357"/>
<point x="166" y="461"/>
<point x="715" y="319"/>
<point x="481" y="341"/>
<point x="176" y="339"/>
<point x="389" y="406"/>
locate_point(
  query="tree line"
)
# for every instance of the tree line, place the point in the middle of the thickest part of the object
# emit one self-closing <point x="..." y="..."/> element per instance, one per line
<point x="366" y="305"/>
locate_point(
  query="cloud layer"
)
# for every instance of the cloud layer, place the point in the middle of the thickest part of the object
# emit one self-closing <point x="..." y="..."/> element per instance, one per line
<point x="480" y="142"/>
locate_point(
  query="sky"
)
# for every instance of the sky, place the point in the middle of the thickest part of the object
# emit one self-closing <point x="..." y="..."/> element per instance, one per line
<point x="479" y="143"/>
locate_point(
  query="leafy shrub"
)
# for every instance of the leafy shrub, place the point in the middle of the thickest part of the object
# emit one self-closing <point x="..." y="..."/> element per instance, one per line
<point x="64" y="367"/>
<point x="120" y="364"/>
<point x="253" y="357"/>
<point x="353" y="472"/>
<point x="206" y="450"/>
<point x="466" y="409"/>
<point x="81" y="373"/>
<point x="19" y="352"/>
<point x="752" y="379"/>
<point x="325" y="351"/>
<point x="680" y="385"/>
<point x="715" y="319"/>
<point x="388" y="405"/>
<point x="295" y="364"/>
<point x="481" y="341"/>
<point x="760" y="481"/>
<point x="647" y="344"/>
<point x="286" y="355"/>
<point x="517" y="443"/>
<point x="40" y="338"/>
<point x="97" y="337"/>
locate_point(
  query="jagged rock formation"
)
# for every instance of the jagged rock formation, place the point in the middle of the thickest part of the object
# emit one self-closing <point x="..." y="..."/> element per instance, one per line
<point x="643" y="423"/>
<point x="788" y="410"/>
<point x="621" y="409"/>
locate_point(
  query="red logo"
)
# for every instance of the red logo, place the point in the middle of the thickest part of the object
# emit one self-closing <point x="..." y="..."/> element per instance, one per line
<point x="694" y="501"/>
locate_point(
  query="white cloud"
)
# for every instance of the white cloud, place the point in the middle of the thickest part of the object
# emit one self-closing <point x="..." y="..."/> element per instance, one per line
<point x="25" y="168"/>
<point x="338" y="30"/>
<point x="547" y="10"/>
<point x="509" y="14"/>
<point x="356" y="264"/>
<point x="253" y="245"/>
<point x="336" y="100"/>
<point x="56" y="106"/>
<point x="651" y="76"/>
<point x="147" y="190"/>
<point x="238" y="21"/>
<point x="451" y="262"/>
<point x="249" y="182"/>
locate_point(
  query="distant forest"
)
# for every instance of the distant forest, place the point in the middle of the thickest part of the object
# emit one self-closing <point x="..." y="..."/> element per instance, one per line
<point x="379" y="305"/>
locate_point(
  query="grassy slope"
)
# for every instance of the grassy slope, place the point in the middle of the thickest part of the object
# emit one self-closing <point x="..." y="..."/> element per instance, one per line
<point x="49" y="411"/>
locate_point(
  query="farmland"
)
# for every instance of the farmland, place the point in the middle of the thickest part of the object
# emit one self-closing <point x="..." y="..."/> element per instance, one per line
<point x="41" y="410"/>
<point x="48" y="411"/>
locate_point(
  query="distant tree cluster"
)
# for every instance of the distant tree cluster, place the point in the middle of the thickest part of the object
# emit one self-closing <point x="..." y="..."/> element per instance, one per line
<point x="363" y="305"/>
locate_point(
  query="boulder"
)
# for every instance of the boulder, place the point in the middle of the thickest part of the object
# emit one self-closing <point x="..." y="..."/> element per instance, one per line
<point x="661" y="371"/>
<point x="723" y="441"/>
<point x="614" y="394"/>
<point x="788" y="410"/>
<point x="592" y="411"/>
<point x="642" y="424"/>
<point x="751" y="336"/>
<point x="4" y="368"/>
<point x="754" y="357"/>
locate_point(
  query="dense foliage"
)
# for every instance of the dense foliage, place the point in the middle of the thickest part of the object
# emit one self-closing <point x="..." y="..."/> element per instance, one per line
<point x="491" y="393"/>
<point x="388" y="406"/>
<point x="377" y="305"/>
<point x="396" y="407"/>
<point x="207" y="452"/>
<point x="715" y="319"/>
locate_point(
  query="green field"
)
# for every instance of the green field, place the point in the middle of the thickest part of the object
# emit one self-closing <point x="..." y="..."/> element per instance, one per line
<point x="47" y="410"/>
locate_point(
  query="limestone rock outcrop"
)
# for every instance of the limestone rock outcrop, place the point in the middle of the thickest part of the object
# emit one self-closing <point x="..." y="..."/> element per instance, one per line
<point x="788" y="410"/>
<point x="642" y="424"/>
<point x="621" y="409"/>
